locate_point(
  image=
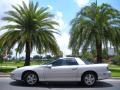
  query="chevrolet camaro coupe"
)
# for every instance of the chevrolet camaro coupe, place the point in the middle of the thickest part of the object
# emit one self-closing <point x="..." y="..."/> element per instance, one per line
<point x="63" y="69"/>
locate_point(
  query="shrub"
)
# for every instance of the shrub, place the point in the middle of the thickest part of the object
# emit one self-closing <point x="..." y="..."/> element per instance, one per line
<point x="1" y="62"/>
<point x="88" y="56"/>
<point x="116" y="60"/>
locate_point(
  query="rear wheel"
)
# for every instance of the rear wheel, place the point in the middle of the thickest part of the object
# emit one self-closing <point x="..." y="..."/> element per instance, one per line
<point x="89" y="79"/>
<point x="30" y="78"/>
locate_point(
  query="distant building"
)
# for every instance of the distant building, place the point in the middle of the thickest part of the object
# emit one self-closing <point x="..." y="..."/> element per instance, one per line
<point x="111" y="51"/>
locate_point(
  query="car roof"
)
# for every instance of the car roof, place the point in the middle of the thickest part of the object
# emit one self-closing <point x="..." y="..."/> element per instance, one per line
<point x="68" y="58"/>
<point x="80" y="62"/>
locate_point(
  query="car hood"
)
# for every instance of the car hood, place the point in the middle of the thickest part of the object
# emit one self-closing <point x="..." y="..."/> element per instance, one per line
<point x="21" y="69"/>
<point x="32" y="67"/>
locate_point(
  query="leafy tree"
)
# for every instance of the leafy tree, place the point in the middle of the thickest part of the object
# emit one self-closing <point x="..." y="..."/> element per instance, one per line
<point x="95" y="26"/>
<point x="60" y="54"/>
<point x="37" y="57"/>
<point x="87" y="55"/>
<point x="2" y="53"/>
<point x="5" y="53"/>
<point x="116" y="60"/>
<point x="105" y="54"/>
<point x="1" y="62"/>
<point x="31" y="28"/>
<point x="9" y="54"/>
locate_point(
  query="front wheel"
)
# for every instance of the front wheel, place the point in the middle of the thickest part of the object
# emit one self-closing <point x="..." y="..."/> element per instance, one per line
<point x="89" y="79"/>
<point x="30" y="78"/>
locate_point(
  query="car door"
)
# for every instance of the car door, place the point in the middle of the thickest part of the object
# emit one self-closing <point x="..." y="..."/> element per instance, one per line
<point x="61" y="70"/>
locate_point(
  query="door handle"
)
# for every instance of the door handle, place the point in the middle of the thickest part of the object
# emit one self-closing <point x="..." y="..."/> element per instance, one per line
<point x="74" y="68"/>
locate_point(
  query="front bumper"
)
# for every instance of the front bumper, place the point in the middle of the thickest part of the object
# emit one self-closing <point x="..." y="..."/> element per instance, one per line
<point x="104" y="75"/>
<point x="15" y="76"/>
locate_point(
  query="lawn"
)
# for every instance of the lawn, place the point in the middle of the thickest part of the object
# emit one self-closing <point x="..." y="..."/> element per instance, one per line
<point x="6" y="70"/>
<point x="18" y="63"/>
<point x="115" y="69"/>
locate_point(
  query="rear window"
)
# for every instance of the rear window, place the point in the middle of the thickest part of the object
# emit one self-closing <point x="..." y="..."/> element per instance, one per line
<point x="71" y="62"/>
<point x="87" y="61"/>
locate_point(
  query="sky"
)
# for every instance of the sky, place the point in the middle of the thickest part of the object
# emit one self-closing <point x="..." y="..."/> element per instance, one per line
<point x="64" y="11"/>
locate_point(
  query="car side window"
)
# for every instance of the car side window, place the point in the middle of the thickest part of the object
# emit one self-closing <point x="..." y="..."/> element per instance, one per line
<point x="59" y="62"/>
<point x="71" y="62"/>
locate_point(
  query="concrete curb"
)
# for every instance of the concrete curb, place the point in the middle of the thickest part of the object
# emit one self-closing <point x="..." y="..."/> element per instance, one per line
<point x="115" y="77"/>
<point x="4" y="75"/>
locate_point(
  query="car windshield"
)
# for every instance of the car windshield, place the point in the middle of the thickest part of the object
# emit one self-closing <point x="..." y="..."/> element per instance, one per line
<point x="87" y="61"/>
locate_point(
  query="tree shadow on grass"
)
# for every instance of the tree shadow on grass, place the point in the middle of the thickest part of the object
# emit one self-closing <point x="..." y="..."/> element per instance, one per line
<point x="99" y="84"/>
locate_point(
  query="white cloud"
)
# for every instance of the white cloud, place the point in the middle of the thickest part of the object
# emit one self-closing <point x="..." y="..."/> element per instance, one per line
<point x="63" y="41"/>
<point x="5" y="5"/>
<point x="82" y="3"/>
<point x="50" y="7"/>
<point x="59" y="14"/>
<point x="59" y="18"/>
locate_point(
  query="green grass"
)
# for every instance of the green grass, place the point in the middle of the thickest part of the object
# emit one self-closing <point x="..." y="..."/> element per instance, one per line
<point x="115" y="72"/>
<point x="115" y="69"/>
<point x="6" y="70"/>
<point x="114" y="66"/>
<point x="21" y="63"/>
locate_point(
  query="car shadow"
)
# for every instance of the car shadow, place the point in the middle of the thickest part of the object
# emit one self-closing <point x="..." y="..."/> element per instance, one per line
<point x="99" y="84"/>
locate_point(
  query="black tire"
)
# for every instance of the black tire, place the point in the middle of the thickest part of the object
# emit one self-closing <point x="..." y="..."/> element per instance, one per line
<point x="30" y="78"/>
<point x="89" y="79"/>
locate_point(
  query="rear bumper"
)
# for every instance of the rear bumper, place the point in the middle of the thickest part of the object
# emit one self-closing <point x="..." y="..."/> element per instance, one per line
<point x="104" y="75"/>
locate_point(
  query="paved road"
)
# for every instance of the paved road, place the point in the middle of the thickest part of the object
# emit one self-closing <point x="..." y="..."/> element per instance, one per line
<point x="8" y="84"/>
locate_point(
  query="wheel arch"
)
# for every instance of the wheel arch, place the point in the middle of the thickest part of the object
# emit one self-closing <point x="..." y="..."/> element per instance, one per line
<point x="90" y="71"/>
<point x="29" y="71"/>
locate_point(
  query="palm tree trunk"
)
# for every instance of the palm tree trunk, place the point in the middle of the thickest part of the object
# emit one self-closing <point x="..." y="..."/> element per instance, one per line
<point x="27" y="58"/>
<point x="99" y="51"/>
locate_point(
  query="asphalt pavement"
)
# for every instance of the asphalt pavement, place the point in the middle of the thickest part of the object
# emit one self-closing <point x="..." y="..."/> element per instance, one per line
<point x="109" y="84"/>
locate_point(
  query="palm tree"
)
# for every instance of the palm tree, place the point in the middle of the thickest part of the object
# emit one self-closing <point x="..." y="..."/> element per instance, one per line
<point x="31" y="28"/>
<point x="96" y="27"/>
